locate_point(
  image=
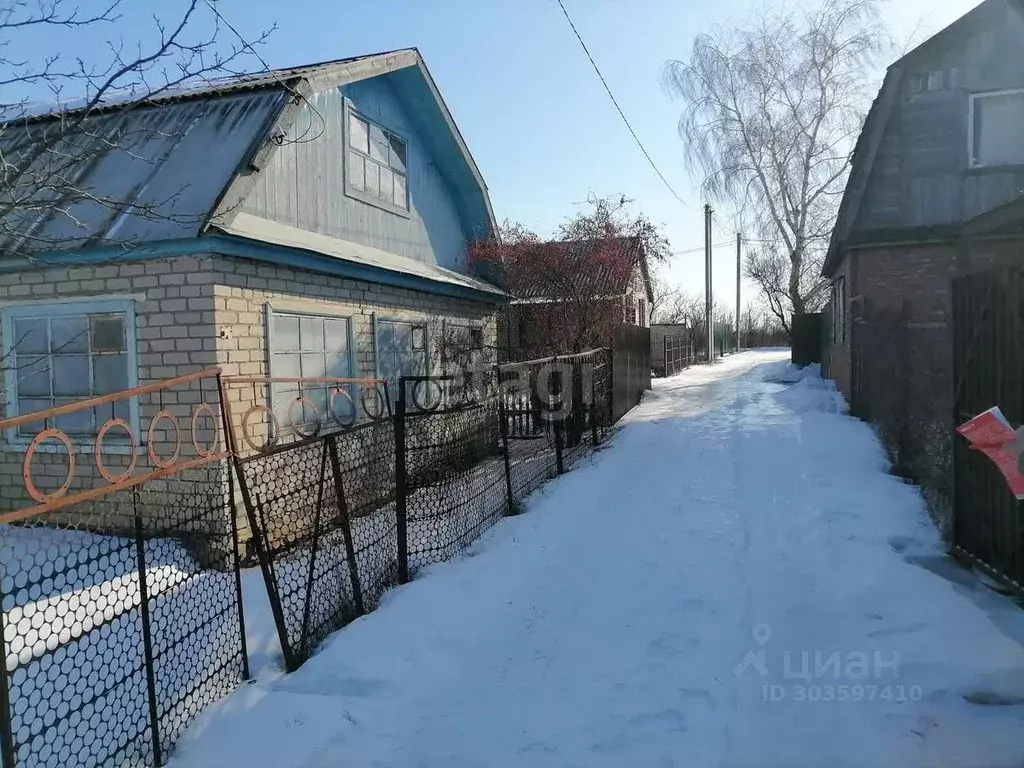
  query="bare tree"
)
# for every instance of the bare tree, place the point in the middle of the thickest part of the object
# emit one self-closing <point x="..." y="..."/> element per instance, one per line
<point x="772" y="109"/>
<point x="42" y="161"/>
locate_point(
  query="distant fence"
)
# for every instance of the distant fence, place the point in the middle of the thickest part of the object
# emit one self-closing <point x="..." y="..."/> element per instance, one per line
<point x="677" y="353"/>
<point x="988" y="370"/>
<point x="121" y="594"/>
<point x="631" y="367"/>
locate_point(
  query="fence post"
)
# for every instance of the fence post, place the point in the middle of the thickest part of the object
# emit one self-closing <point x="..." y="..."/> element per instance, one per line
<point x="558" y="421"/>
<point x="238" y="570"/>
<point x="400" y="489"/>
<point x="233" y="511"/>
<point x="147" y="638"/>
<point x="313" y="552"/>
<point x="593" y="409"/>
<point x="258" y="532"/>
<point x="611" y="385"/>
<point x="7" y="751"/>
<point x="346" y="526"/>
<point x="502" y="416"/>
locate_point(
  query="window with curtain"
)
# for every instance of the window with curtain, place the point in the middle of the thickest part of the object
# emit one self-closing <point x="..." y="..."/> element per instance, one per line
<point x="377" y="162"/>
<point x="60" y="354"/>
<point x="996" y="122"/>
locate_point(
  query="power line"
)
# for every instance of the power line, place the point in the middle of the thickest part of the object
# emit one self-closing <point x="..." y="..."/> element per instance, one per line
<point x="700" y="249"/>
<point x="267" y="68"/>
<point x="621" y="113"/>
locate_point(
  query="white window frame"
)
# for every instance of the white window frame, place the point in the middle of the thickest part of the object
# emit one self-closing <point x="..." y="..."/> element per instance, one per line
<point x="362" y="195"/>
<point x="271" y="313"/>
<point x="86" y="306"/>
<point x="972" y="161"/>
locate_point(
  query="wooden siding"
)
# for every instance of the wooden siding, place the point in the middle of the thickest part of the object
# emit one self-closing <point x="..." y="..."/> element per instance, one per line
<point x="921" y="174"/>
<point x="304" y="183"/>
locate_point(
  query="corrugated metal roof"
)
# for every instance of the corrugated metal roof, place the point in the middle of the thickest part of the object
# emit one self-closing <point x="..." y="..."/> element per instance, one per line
<point x="222" y="86"/>
<point x="137" y="175"/>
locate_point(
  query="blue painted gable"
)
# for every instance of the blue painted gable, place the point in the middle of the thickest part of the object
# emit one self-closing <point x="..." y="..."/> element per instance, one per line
<point x="304" y="183"/>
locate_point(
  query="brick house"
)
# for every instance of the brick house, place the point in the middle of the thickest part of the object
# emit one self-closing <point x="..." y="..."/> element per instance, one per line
<point x="579" y="302"/>
<point x="934" y="191"/>
<point x="304" y="222"/>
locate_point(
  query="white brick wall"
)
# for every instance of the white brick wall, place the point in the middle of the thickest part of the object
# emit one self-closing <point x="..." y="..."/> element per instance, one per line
<point x="182" y="304"/>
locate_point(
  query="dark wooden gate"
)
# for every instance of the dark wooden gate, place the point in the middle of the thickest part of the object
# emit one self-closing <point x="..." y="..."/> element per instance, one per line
<point x="988" y="370"/>
<point x="631" y="367"/>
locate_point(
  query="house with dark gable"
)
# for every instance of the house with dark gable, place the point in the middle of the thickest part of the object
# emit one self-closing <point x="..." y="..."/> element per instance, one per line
<point x="306" y="222"/>
<point x="936" y="190"/>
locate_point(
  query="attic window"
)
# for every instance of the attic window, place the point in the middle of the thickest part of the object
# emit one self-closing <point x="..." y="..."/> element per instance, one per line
<point x="995" y="122"/>
<point x="376" y="162"/>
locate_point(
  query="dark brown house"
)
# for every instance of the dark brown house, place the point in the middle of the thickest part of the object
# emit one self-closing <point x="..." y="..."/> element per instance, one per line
<point x="935" y="190"/>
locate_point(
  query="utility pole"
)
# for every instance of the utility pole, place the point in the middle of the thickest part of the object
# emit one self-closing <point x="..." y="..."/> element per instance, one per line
<point x="739" y="277"/>
<point x="708" y="311"/>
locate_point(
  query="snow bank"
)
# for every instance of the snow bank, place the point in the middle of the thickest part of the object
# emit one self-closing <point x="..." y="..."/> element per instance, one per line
<point x="807" y="391"/>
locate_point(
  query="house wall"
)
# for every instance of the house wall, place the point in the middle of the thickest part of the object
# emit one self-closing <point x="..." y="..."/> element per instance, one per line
<point x="839" y="364"/>
<point x="921" y="174"/>
<point x="174" y="303"/>
<point x="182" y="305"/>
<point x="901" y="356"/>
<point x="303" y="185"/>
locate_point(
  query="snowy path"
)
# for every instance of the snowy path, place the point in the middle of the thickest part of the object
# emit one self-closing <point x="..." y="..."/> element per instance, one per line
<point x="605" y="627"/>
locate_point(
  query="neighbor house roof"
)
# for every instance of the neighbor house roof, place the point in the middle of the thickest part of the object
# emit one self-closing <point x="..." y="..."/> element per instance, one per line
<point x="159" y="168"/>
<point x="582" y="262"/>
<point x="868" y="142"/>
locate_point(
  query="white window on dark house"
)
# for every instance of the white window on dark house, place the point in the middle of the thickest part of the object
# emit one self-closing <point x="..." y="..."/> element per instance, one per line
<point x="60" y="354"/>
<point x="995" y="128"/>
<point x="310" y="346"/>
<point x="401" y="351"/>
<point x="643" y="313"/>
<point x="377" y="162"/>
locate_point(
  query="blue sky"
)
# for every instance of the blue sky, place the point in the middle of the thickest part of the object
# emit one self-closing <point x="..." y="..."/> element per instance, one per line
<point x="531" y="108"/>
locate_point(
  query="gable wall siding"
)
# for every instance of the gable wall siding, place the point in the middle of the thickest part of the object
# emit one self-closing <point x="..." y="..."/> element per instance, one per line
<point x="920" y="176"/>
<point x="303" y="185"/>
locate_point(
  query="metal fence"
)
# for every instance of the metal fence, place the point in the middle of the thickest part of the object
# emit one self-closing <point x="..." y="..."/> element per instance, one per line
<point x="463" y="464"/>
<point x="631" y="368"/>
<point x="121" y="590"/>
<point x="678" y="352"/>
<point x="121" y="594"/>
<point x="988" y="371"/>
<point x="316" y="475"/>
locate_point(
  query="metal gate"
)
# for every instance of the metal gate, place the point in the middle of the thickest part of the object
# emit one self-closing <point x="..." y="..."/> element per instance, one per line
<point x="988" y="370"/>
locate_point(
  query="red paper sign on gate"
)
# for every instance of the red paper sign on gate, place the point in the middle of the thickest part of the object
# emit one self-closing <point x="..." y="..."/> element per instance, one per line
<point x="991" y="433"/>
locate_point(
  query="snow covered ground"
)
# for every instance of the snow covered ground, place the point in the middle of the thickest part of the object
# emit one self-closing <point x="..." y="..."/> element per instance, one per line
<point x="735" y="581"/>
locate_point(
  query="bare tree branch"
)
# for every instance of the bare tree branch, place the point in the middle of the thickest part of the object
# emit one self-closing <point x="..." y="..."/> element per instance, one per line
<point x="772" y="109"/>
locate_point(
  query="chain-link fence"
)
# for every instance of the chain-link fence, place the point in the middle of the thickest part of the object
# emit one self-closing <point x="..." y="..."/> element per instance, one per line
<point x="120" y="587"/>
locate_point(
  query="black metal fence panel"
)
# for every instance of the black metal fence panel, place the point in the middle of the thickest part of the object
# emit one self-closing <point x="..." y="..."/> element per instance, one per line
<point x="316" y="476"/>
<point x="988" y="370"/>
<point x="120" y="587"/>
<point x="631" y="368"/>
